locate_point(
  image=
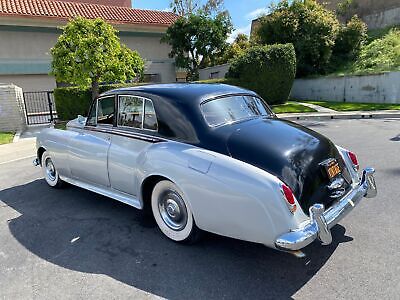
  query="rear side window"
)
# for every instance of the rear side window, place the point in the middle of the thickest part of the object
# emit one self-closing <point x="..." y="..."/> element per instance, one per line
<point x="130" y="111"/>
<point x="150" y="119"/>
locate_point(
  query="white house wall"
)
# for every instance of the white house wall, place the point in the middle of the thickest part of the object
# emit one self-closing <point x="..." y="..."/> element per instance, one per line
<point x="25" y="57"/>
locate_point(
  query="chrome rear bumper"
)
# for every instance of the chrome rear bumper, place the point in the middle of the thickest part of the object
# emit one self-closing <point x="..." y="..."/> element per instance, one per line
<point x="321" y="220"/>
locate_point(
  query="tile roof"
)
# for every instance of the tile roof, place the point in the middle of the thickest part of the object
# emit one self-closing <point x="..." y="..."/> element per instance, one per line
<point x="68" y="10"/>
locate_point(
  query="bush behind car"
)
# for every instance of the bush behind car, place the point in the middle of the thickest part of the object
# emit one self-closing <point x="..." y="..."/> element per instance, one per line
<point x="268" y="70"/>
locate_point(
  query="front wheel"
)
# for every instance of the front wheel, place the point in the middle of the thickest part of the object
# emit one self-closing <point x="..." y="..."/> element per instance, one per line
<point x="172" y="213"/>
<point x="50" y="172"/>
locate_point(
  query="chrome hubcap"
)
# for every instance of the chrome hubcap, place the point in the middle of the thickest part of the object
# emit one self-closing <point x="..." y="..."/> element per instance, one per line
<point x="50" y="170"/>
<point x="173" y="210"/>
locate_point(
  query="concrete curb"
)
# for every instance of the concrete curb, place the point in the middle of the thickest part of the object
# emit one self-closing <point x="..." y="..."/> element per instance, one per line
<point x="341" y="115"/>
<point x="17" y="136"/>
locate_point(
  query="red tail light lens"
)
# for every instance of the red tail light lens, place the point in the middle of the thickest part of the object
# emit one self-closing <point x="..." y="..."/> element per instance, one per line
<point x="289" y="197"/>
<point x="354" y="160"/>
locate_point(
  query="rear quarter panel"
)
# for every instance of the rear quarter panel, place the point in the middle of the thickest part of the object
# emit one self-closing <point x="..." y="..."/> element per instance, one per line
<point x="226" y="196"/>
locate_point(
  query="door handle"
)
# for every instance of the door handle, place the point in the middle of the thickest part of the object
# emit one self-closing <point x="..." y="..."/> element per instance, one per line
<point x="108" y="138"/>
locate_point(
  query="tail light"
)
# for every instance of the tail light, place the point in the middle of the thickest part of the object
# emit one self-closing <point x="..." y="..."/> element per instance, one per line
<point x="354" y="160"/>
<point x="289" y="198"/>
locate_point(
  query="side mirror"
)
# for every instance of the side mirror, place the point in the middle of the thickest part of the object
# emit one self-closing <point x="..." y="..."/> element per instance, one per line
<point x="81" y="120"/>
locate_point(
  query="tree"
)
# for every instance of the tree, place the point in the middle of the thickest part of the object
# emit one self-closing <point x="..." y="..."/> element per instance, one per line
<point x="350" y="40"/>
<point x="187" y="7"/>
<point x="310" y="27"/>
<point x="197" y="40"/>
<point x="346" y="9"/>
<point x="89" y="52"/>
<point x="237" y="48"/>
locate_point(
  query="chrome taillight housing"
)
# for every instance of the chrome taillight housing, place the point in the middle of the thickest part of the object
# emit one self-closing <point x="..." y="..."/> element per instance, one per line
<point x="354" y="160"/>
<point x="289" y="198"/>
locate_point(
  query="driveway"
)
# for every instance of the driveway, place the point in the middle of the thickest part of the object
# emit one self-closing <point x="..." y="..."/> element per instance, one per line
<point x="72" y="243"/>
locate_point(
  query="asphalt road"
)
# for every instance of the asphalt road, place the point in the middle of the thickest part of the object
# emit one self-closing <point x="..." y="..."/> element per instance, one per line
<point x="71" y="243"/>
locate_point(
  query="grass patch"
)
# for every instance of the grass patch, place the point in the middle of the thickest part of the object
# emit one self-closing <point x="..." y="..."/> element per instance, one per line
<point x="346" y="106"/>
<point x="291" y="107"/>
<point x="6" y="137"/>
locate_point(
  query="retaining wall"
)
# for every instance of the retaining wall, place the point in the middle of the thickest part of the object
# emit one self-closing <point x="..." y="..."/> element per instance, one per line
<point x="381" y="88"/>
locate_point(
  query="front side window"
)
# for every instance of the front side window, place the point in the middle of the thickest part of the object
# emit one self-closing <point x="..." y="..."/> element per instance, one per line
<point x="105" y="110"/>
<point x="230" y="109"/>
<point x="130" y="111"/>
<point x="101" y="112"/>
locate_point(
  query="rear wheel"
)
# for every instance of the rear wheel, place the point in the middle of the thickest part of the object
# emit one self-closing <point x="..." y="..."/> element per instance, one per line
<point x="50" y="172"/>
<point x="172" y="213"/>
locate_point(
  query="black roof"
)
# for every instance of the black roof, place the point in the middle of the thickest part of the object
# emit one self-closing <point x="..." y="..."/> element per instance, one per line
<point x="184" y="91"/>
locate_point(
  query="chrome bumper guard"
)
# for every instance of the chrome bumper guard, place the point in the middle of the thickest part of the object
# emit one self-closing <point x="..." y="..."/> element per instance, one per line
<point x="321" y="220"/>
<point x="36" y="162"/>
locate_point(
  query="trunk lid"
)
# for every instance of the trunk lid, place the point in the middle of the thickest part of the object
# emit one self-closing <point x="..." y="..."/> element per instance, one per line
<point x="292" y="153"/>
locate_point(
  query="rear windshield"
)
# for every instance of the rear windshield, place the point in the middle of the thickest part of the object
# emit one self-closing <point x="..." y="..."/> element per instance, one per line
<point x="231" y="109"/>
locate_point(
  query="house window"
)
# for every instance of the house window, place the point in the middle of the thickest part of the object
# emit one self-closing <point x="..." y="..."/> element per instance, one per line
<point x="152" y="78"/>
<point x="214" y="75"/>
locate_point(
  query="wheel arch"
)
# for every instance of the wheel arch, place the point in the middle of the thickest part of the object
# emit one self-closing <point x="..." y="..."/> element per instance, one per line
<point x="146" y="189"/>
<point x="40" y="152"/>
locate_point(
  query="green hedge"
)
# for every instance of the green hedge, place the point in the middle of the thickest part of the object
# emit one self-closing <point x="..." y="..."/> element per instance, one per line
<point x="268" y="70"/>
<point x="74" y="101"/>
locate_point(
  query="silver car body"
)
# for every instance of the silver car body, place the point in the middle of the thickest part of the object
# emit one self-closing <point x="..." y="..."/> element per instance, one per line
<point x="226" y="196"/>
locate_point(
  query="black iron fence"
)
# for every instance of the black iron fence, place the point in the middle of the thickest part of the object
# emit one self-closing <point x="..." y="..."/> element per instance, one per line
<point x="40" y="107"/>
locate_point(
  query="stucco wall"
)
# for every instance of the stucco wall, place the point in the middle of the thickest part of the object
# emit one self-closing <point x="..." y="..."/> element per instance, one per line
<point x="214" y="72"/>
<point x="382" y="88"/>
<point x="31" y="83"/>
<point x="25" y="54"/>
<point x="12" y="112"/>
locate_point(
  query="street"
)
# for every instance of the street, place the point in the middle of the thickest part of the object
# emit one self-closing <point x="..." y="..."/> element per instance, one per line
<point x="74" y="244"/>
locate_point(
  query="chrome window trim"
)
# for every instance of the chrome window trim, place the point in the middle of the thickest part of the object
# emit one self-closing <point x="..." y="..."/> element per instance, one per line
<point x="143" y="114"/>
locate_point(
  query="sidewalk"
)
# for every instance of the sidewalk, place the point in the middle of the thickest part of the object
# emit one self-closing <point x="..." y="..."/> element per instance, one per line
<point x="324" y="113"/>
<point x="24" y="148"/>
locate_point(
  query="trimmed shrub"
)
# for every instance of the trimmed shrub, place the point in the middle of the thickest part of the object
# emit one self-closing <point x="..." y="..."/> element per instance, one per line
<point x="74" y="101"/>
<point x="268" y="70"/>
<point x="309" y="26"/>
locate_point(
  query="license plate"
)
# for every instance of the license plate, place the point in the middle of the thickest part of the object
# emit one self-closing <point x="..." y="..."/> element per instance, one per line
<point x="333" y="169"/>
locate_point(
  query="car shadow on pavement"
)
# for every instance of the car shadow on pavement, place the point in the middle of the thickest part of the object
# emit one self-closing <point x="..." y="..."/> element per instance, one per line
<point x="82" y="231"/>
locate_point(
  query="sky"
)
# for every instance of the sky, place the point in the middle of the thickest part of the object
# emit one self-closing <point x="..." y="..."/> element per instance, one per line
<point x="241" y="11"/>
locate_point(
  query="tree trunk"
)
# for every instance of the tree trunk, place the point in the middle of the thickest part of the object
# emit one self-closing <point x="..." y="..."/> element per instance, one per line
<point x="95" y="89"/>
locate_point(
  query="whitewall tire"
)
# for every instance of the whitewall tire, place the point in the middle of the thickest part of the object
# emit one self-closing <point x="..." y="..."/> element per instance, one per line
<point x="172" y="213"/>
<point x="50" y="172"/>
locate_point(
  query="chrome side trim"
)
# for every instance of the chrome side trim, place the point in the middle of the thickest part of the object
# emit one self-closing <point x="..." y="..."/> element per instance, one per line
<point x="108" y="192"/>
<point x="125" y="133"/>
<point x="321" y="221"/>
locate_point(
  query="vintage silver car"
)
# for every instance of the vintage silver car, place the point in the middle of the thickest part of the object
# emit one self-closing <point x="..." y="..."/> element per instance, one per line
<point x="208" y="157"/>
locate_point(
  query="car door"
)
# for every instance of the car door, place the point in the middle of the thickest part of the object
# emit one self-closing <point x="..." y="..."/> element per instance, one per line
<point x="88" y="150"/>
<point x="136" y="123"/>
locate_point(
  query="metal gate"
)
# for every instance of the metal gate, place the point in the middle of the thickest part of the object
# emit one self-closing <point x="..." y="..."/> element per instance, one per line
<point x="40" y="107"/>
